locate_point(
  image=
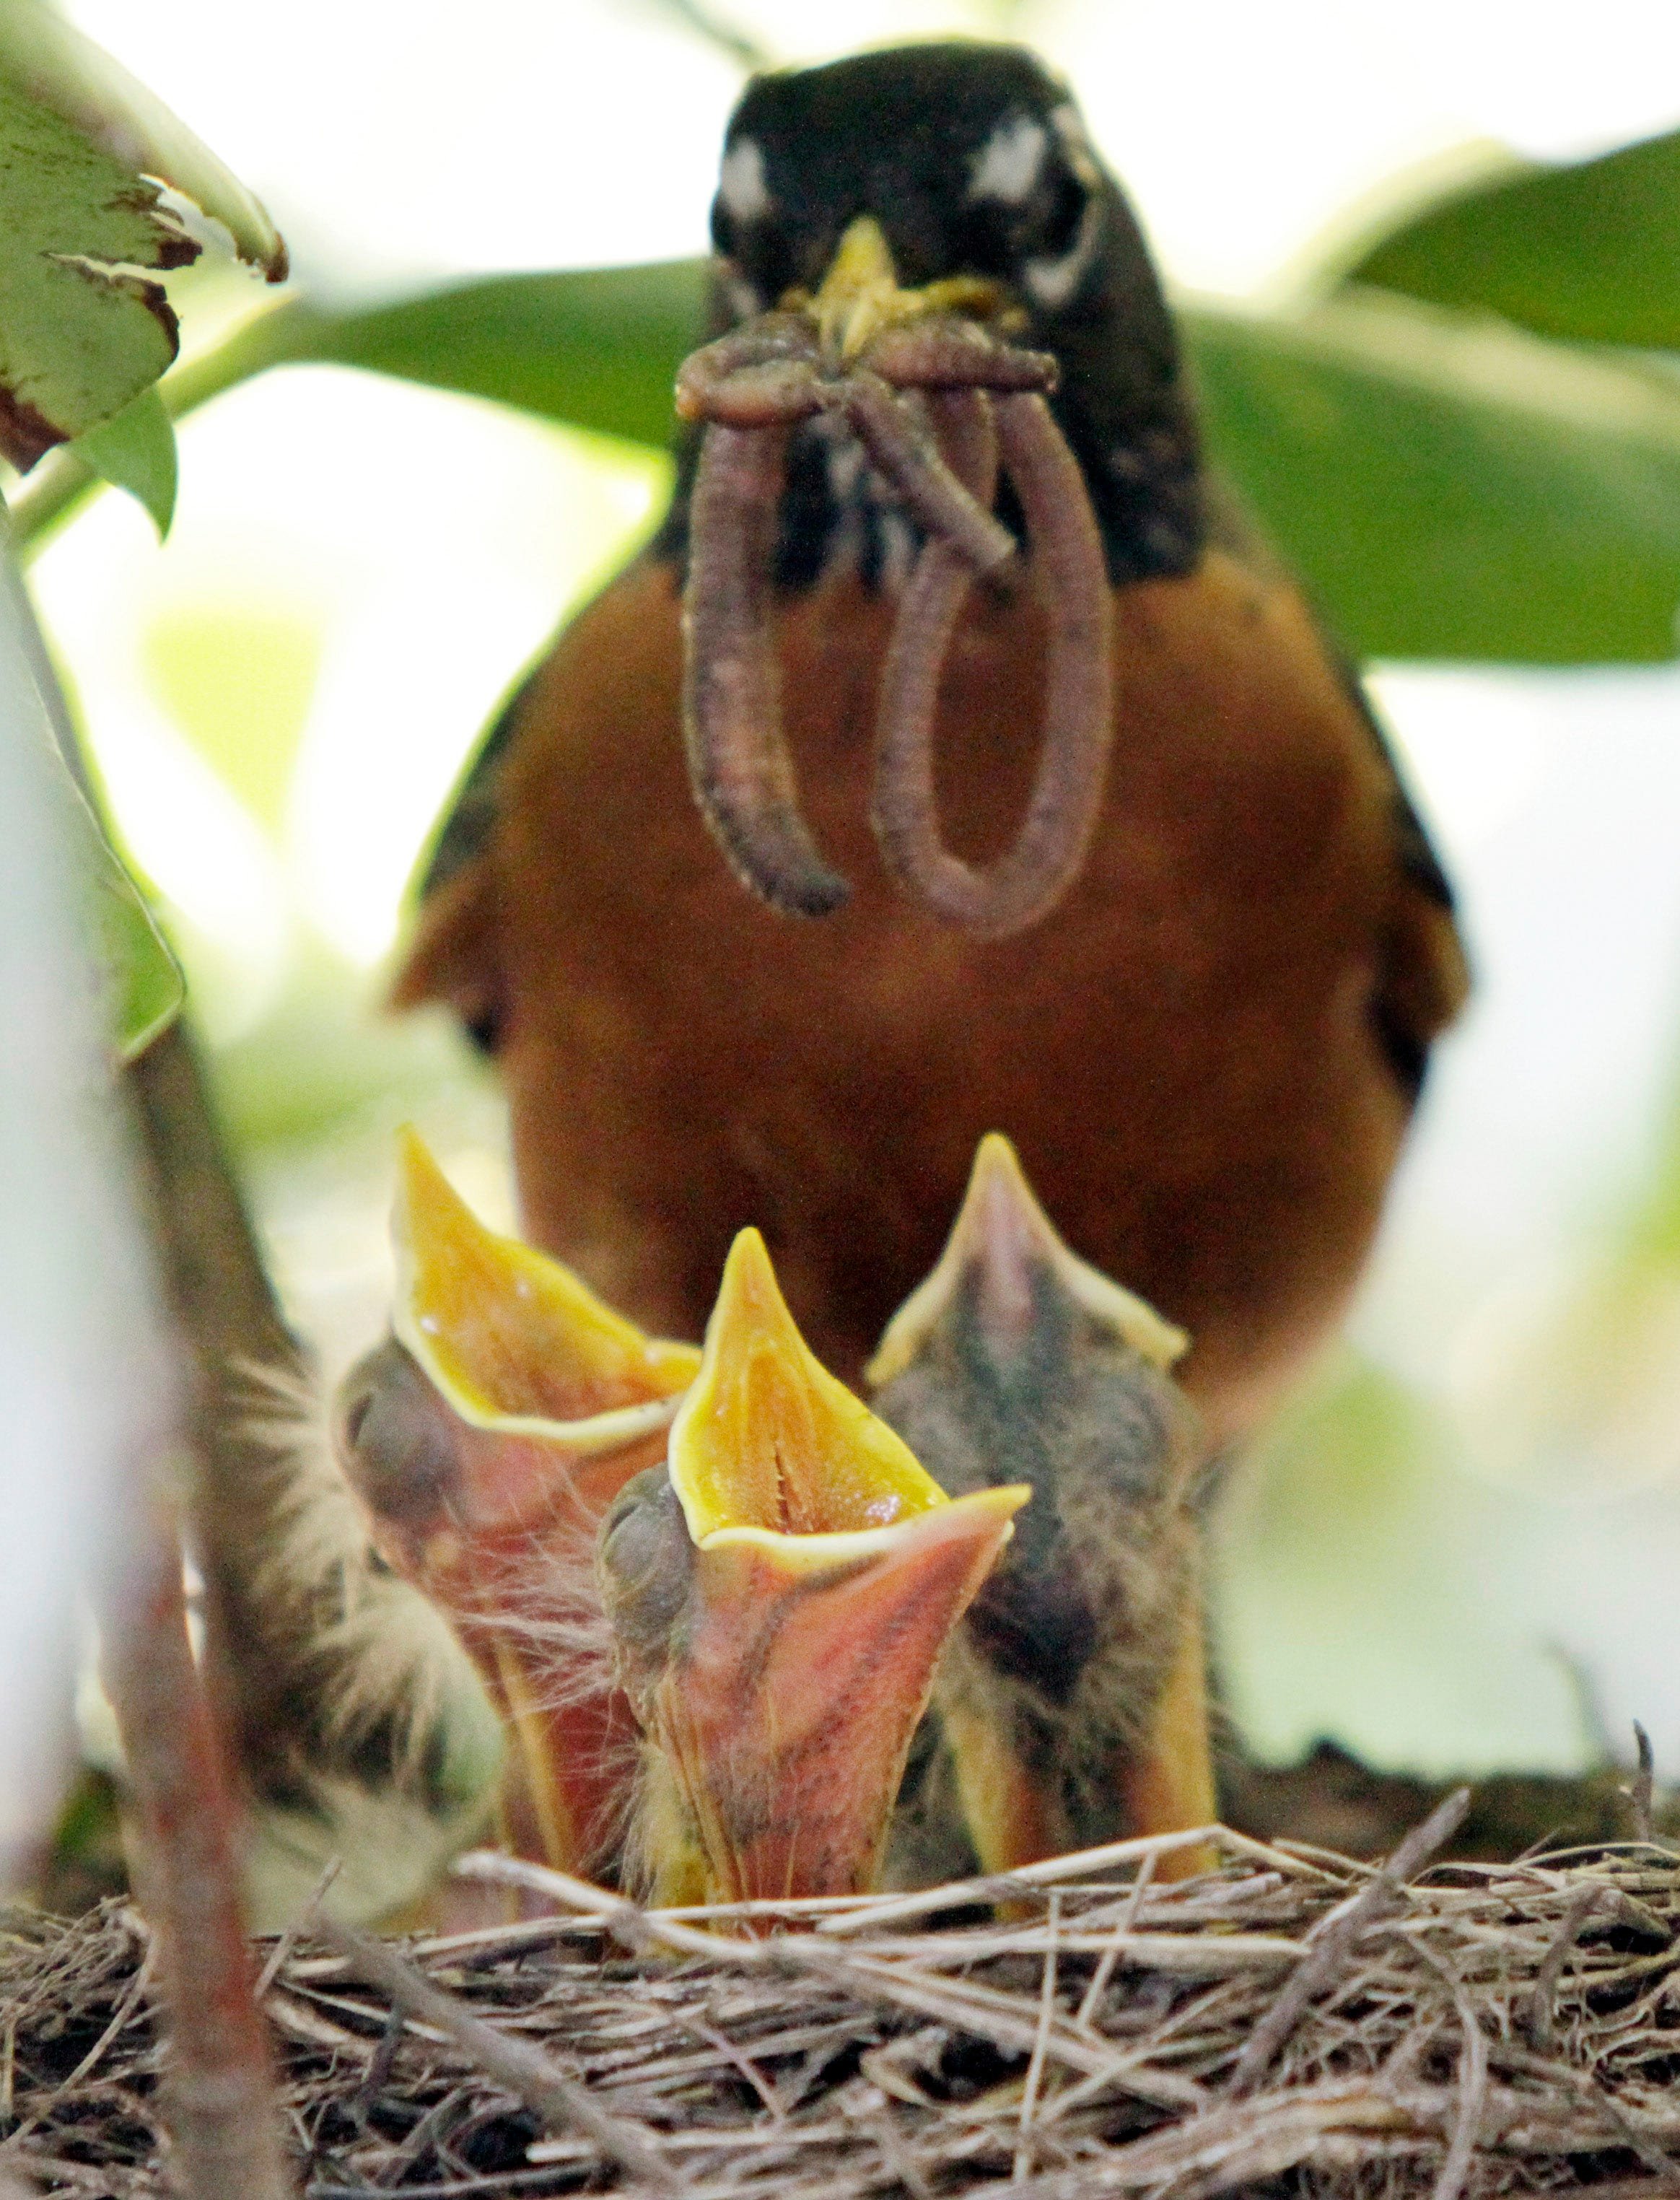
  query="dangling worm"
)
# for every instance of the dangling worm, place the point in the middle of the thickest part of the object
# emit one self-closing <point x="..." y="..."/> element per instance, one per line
<point x="738" y="759"/>
<point x="1062" y="812"/>
<point x="750" y="387"/>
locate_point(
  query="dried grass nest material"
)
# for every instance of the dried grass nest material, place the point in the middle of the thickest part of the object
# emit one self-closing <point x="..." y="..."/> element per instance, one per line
<point x="1295" y="2022"/>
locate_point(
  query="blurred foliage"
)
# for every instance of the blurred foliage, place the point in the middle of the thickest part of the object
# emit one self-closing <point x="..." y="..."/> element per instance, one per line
<point x="239" y="681"/>
<point x="1584" y="252"/>
<point x="1450" y="489"/>
<point x="1448" y="486"/>
<point x="1573" y="1381"/>
<point x="1352" y="1524"/>
<point x="136" y="968"/>
<point x="83" y="150"/>
<point x="144" y="988"/>
<point x="595" y="349"/>
<point x="135" y="450"/>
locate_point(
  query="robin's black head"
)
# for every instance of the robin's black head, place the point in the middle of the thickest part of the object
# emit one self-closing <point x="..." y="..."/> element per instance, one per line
<point x="974" y="161"/>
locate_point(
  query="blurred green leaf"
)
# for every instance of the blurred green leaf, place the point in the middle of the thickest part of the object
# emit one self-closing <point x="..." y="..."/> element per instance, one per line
<point x="597" y="347"/>
<point x="144" y="987"/>
<point x="81" y="143"/>
<point x="1450" y="487"/>
<point x="1447" y="489"/>
<point x="135" y="450"/>
<point x="141" y="981"/>
<point x="237" y="677"/>
<point x="1586" y="251"/>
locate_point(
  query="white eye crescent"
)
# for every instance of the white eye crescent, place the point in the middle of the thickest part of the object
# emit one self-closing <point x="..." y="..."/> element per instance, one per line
<point x="1052" y="283"/>
<point x="740" y="182"/>
<point x="1007" y="166"/>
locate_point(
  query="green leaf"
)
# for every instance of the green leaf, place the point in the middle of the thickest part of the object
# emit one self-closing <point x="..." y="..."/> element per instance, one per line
<point x="81" y="332"/>
<point x="141" y="981"/>
<point x="1450" y="487"/>
<point x="135" y="450"/>
<point x="1447" y="489"/>
<point x="144" y="988"/>
<point x="1586" y="251"/>
<point x="597" y="347"/>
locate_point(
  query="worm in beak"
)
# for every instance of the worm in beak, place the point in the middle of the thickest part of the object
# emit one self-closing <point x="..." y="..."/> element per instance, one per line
<point x="917" y="382"/>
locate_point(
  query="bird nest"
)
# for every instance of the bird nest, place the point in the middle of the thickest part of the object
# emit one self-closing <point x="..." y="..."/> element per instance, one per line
<point x="1295" y="2021"/>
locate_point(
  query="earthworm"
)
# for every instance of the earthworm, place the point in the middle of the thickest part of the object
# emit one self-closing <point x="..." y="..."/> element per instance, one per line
<point x="755" y="376"/>
<point x="750" y="387"/>
<point x="944" y="352"/>
<point x="1024" y="885"/>
<point x="738" y="759"/>
<point x="905" y="452"/>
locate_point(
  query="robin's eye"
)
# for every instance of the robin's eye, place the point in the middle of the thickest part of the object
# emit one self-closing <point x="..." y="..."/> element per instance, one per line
<point x="725" y="229"/>
<point x="1067" y="210"/>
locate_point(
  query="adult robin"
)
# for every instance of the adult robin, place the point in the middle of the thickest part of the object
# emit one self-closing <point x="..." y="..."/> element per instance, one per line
<point x="1199" y="994"/>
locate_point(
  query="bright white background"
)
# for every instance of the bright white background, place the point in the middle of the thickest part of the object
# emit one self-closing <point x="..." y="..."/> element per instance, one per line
<point x="360" y="569"/>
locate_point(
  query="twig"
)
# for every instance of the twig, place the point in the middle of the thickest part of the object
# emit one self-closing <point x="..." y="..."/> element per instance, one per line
<point x="525" y="2070"/>
<point x="1239" y="2144"/>
<point x="127" y="2003"/>
<point x="1003" y="1887"/>
<point x="1029" y="2091"/>
<point x="1538" y="2012"/>
<point x="279" y="1955"/>
<point x="728" y="38"/>
<point x="1337" y="1934"/>
<point x="1640" y="1789"/>
<point x="222" y="2112"/>
<point x="1111" y="1956"/>
<point x="1472" y="2088"/>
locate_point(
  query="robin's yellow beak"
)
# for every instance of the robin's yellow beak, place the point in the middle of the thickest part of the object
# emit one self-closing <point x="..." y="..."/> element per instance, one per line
<point x="860" y="293"/>
<point x="487" y="1435"/>
<point x="782" y="1682"/>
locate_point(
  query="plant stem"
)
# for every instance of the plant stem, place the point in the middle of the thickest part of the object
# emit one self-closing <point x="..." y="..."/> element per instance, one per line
<point x="222" y="2114"/>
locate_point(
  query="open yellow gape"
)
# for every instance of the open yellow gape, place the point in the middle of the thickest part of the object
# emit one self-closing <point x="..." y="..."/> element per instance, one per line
<point x="824" y="1571"/>
<point x="487" y="1435"/>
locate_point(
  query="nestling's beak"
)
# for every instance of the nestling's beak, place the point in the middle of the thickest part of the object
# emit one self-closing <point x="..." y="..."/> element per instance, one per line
<point x="1005" y="1253"/>
<point x="487" y="1435"/>
<point x="509" y="1335"/>
<point x="1072" y="1704"/>
<point x="780" y="1604"/>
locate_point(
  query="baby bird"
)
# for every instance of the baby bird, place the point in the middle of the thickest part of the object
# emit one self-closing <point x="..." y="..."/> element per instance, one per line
<point x="1072" y="1699"/>
<point x="780" y="1599"/>
<point x="487" y="1435"/>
